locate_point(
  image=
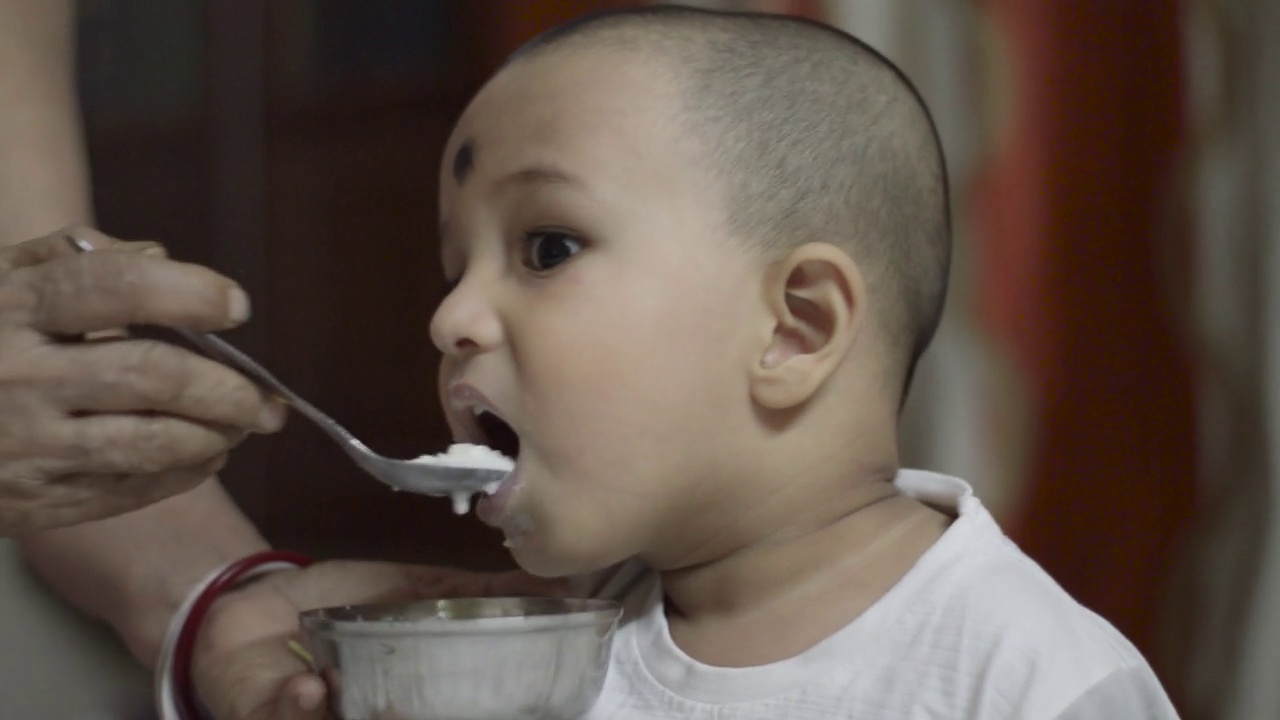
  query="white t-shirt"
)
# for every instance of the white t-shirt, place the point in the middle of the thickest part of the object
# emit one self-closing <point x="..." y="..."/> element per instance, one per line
<point x="974" y="630"/>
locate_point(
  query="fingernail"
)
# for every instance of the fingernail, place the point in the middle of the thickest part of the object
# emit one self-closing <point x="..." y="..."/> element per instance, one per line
<point x="271" y="416"/>
<point x="237" y="305"/>
<point x="155" y="250"/>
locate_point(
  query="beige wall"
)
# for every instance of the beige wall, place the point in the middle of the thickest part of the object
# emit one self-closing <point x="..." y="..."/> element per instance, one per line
<point x="55" y="664"/>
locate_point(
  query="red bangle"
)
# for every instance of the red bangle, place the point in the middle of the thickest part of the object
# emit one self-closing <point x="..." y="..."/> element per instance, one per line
<point x="225" y="580"/>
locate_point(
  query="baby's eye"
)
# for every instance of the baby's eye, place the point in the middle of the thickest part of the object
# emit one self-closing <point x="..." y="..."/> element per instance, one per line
<point x="545" y="249"/>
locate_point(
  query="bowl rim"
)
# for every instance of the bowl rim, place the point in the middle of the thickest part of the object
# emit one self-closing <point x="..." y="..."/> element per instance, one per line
<point x="368" y="619"/>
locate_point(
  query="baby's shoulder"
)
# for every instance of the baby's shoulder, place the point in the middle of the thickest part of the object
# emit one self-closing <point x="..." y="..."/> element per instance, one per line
<point x="980" y="628"/>
<point x="993" y="613"/>
<point x="997" y="594"/>
<point x="976" y="590"/>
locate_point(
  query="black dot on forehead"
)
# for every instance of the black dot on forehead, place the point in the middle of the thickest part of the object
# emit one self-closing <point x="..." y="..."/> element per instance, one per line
<point x="463" y="160"/>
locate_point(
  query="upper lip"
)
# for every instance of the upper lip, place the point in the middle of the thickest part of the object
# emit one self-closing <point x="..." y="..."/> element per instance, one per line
<point x="465" y="396"/>
<point x="466" y="403"/>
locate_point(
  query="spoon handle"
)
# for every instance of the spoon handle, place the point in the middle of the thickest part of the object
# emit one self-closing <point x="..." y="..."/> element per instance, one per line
<point x="228" y="354"/>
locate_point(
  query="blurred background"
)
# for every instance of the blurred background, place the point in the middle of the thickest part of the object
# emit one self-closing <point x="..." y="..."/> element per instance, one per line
<point x="1107" y="374"/>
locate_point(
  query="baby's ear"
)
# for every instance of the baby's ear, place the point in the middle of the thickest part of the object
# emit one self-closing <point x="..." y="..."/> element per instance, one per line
<point x="816" y="298"/>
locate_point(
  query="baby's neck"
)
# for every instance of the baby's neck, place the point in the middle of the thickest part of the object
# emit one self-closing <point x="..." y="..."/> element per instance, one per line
<point x="776" y="598"/>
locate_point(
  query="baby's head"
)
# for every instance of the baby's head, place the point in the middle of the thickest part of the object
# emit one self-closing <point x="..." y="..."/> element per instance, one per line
<point x="697" y="256"/>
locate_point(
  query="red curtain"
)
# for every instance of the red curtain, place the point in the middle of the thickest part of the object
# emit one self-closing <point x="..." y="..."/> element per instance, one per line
<point x="1072" y="239"/>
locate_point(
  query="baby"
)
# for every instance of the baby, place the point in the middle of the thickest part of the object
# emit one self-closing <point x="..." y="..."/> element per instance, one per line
<point x="694" y="258"/>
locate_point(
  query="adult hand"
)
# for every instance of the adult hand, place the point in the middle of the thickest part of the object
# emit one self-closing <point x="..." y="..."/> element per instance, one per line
<point x="90" y="429"/>
<point x="243" y="667"/>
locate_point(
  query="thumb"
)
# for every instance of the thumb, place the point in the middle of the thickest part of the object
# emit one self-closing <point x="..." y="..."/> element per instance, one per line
<point x="302" y="697"/>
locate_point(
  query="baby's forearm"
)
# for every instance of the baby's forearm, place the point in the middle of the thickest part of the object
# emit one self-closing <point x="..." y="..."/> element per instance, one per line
<point x="133" y="571"/>
<point x="44" y="177"/>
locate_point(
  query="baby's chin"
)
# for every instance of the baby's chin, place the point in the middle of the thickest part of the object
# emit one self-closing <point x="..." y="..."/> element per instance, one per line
<point x="552" y="532"/>
<point x="541" y="556"/>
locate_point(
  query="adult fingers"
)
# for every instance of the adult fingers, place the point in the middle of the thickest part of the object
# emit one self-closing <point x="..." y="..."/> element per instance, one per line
<point x="59" y="245"/>
<point x="102" y="290"/>
<point x="428" y="581"/>
<point x="138" y="375"/>
<point x="345" y="582"/>
<point x="132" y="444"/>
<point x="27" y="506"/>
<point x="518" y="582"/>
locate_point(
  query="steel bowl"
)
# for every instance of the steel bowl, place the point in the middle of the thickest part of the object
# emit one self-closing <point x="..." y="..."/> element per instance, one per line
<point x="464" y="658"/>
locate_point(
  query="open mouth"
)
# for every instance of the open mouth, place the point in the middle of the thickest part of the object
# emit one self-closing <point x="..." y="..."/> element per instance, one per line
<point x="498" y="434"/>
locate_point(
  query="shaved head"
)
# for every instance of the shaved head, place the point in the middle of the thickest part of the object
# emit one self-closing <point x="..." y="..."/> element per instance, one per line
<point x="812" y="136"/>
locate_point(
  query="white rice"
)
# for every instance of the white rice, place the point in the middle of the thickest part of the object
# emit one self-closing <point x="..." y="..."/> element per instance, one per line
<point x="474" y="456"/>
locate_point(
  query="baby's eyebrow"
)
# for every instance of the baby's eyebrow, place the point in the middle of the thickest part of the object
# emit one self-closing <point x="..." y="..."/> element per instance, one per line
<point x="534" y="175"/>
<point x="540" y="175"/>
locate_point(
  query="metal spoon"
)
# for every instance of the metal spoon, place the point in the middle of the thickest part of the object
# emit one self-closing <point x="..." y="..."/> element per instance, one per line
<point x="414" y="476"/>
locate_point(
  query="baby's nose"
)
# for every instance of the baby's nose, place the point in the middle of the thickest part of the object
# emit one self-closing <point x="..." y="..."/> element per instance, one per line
<point x="465" y="322"/>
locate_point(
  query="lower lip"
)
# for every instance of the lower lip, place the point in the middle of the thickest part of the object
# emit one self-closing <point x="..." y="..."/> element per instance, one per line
<point x="491" y="509"/>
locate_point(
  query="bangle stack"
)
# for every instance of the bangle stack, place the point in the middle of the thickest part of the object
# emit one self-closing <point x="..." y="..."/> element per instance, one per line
<point x="175" y="695"/>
